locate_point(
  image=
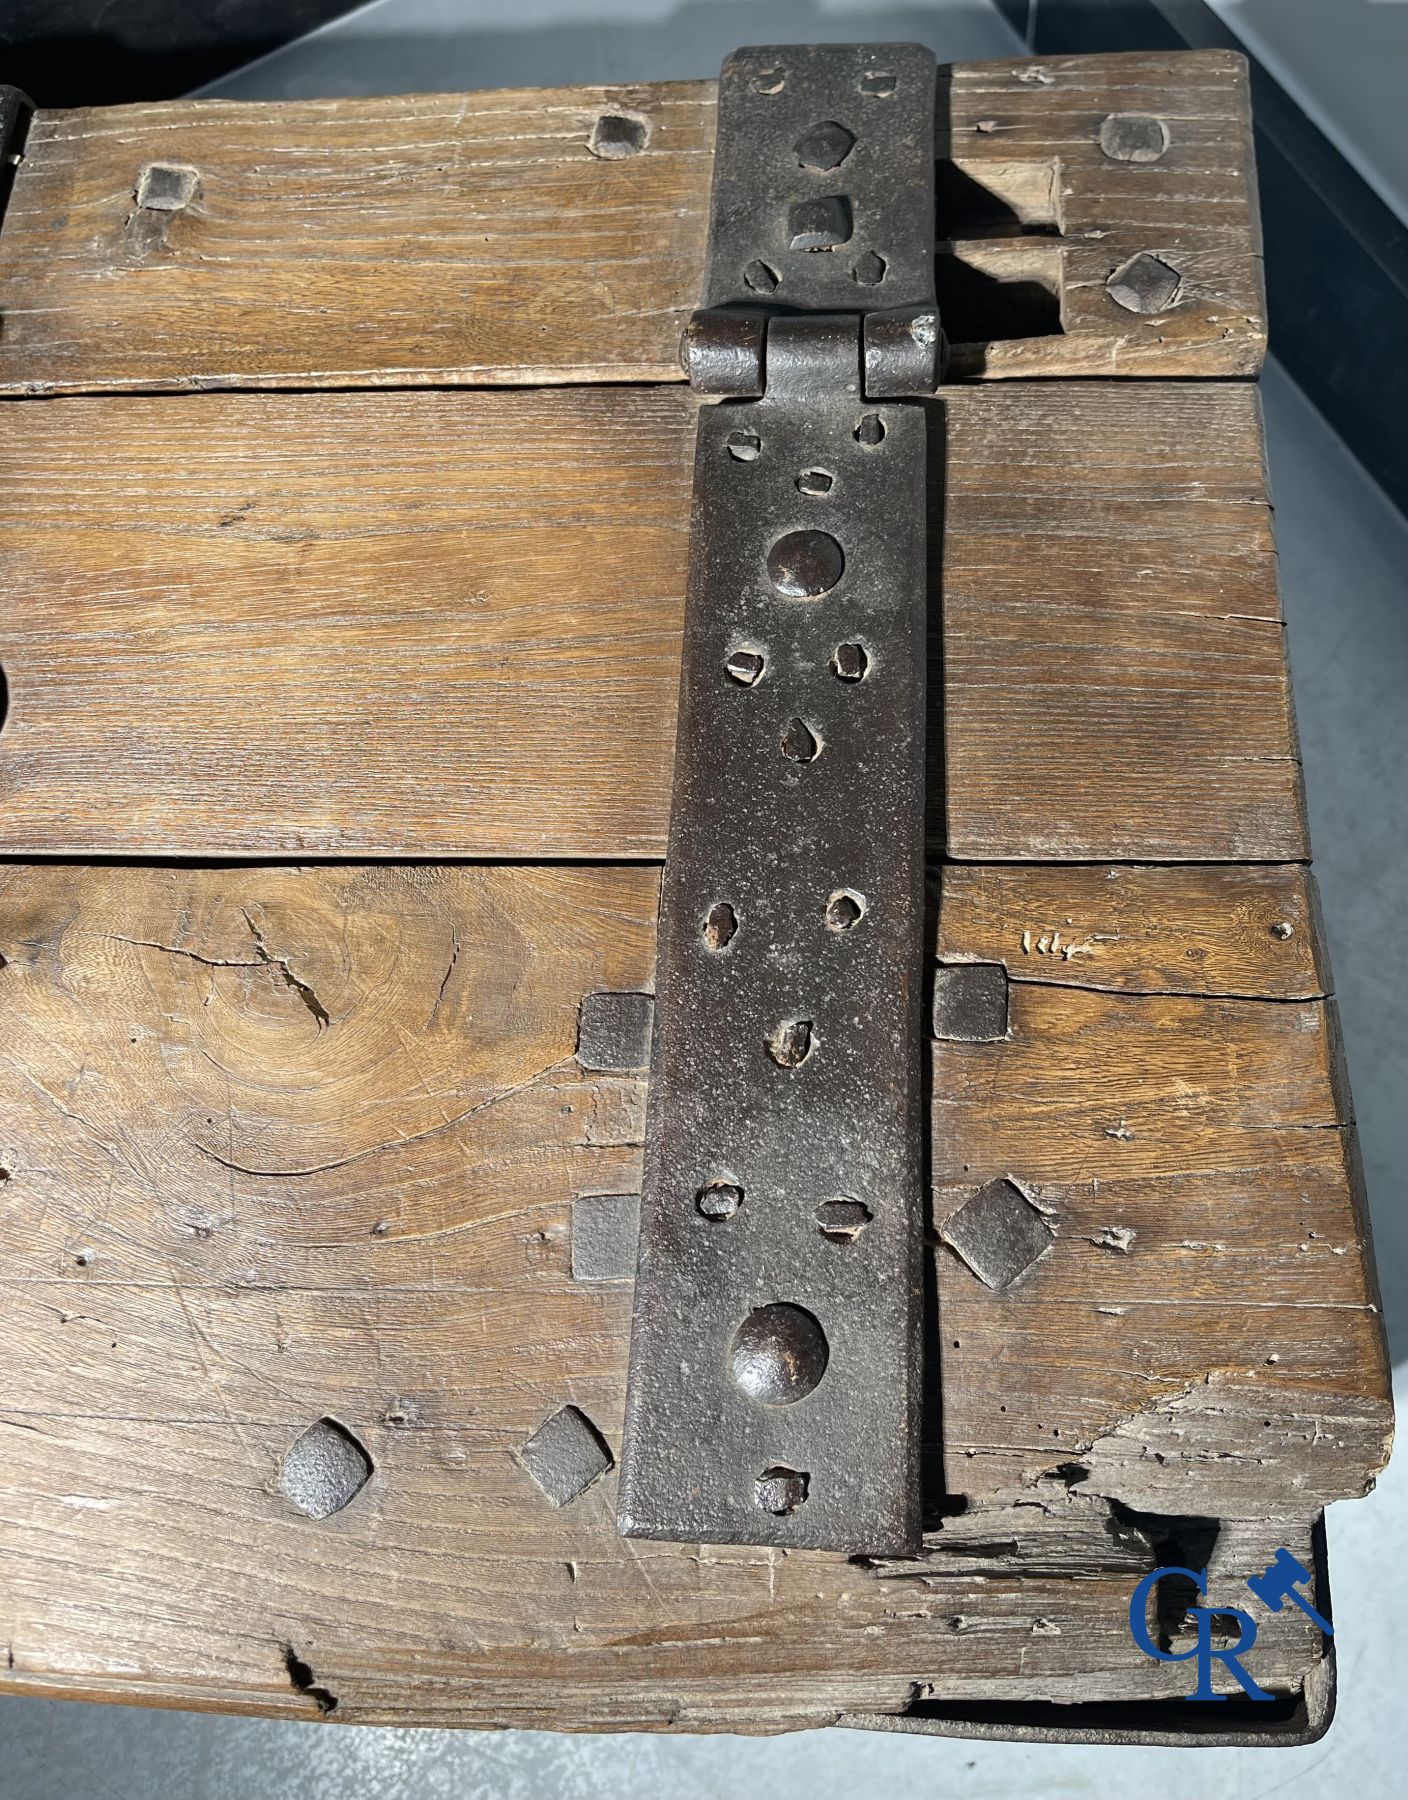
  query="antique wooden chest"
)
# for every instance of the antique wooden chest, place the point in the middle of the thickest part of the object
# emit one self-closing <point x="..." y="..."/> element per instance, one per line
<point x="346" y="455"/>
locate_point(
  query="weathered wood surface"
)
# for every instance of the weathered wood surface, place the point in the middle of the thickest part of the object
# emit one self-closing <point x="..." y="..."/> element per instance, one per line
<point x="433" y="238"/>
<point x="289" y="1144"/>
<point x="478" y="238"/>
<point x="449" y="624"/>
<point x="1204" y="1325"/>
<point x="1050" y="142"/>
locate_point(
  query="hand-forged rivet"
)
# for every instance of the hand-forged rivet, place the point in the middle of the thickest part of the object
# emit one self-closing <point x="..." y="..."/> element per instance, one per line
<point x="780" y="1490"/>
<point x="805" y="564"/>
<point x="849" y="662"/>
<point x="719" y="1200"/>
<point x="791" y="1044"/>
<point x="842" y="1220"/>
<point x="824" y="146"/>
<point x="779" y="1354"/>
<point x="844" y="910"/>
<point x="800" y="744"/>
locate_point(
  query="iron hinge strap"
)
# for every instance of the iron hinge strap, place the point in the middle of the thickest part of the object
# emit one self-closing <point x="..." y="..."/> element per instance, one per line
<point x="775" y="1371"/>
<point x="16" y="110"/>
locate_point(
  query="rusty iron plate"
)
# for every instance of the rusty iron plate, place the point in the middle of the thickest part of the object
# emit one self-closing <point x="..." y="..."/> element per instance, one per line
<point x="775" y="1366"/>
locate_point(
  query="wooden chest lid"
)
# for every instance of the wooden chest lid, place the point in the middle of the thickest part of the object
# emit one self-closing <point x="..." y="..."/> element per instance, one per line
<point x="310" y="1146"/>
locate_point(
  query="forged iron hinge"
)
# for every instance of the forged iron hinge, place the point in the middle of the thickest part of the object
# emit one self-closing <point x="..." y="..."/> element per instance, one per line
<point x="16" y="110"/>
<point x="775" y="1367"/>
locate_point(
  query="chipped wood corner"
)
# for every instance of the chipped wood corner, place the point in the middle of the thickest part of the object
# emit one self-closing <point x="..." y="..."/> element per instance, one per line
<point x="1231" y="1197"/>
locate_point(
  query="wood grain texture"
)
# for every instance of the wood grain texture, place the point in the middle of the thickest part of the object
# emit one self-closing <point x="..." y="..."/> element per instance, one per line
<point x="1250" y="933"/>
<point x="1029" y="135"/>
<point x="1194" y="1159"/>
<point x="286" y="1144"/>
<point x="422" y="238"/>
<point x="477" y="238"/>
<point x="449" y="624"/>
<point x="1114" y="673"/>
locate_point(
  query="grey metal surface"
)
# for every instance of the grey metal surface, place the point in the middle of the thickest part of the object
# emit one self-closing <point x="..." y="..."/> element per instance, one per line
<point x="775" y="1382"/>
<point x="824" y="169"/>
<point x="15" y="111"/>
<point x="786" y="1069"/>
<point x="323" y="1469"/>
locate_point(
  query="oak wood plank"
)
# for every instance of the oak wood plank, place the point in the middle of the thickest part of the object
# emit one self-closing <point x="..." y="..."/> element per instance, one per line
<point x="448" y="625"/>
<point x="479" y="239"/>
<point x="1231" y="931"/>
<point x="352" y="242"/>
<point x="1193" y="207"/>
<point x="282" y="1145"/>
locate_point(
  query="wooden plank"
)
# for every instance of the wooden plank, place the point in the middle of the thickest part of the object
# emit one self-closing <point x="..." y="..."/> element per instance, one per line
<point x="1042" y="162"/>
<point x="1192" y="1158"/>
<point x="1114" y="672"/>
<point x="1231" y="932"/>
<point x="282" y="1145"/>
<point x="448" y="624"/>
<point x="422" y="238"/>
<point x="477" y="238"/>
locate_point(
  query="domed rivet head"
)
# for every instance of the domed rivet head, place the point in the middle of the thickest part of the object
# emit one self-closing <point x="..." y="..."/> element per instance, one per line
<point x="825" y="146"/>
<point x="804" y="564"/>
<point x="779" y="1354"/>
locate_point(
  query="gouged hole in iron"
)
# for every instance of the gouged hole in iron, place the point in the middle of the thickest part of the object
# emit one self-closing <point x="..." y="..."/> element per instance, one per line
<point x="849" y="662"/>
<point x="720" y="925"/>
<point x="780" y="1490"/>
<point x="718" y="1200"/>
<point x="844" y="910"/>
<point x="842" y="1220"/>
<point x="746" y="664"/>
<point x="800" y="744"/>
<point x="815" y="482"/>
<point x="761" y="277"/>
<point x="792" y="1043"/>
<point x="618" y="134"/>
<point x="769" y="81"/>
<point x="878" y="84"/>
<point x="744" y="446"/>
<point x="870" y="430"/>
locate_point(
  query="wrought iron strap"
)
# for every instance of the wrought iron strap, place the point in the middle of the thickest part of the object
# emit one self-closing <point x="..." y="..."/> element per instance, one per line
<point x="829" y="148"/>
<point x="775" y="1369"/>
<point x="16" y="110"/>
